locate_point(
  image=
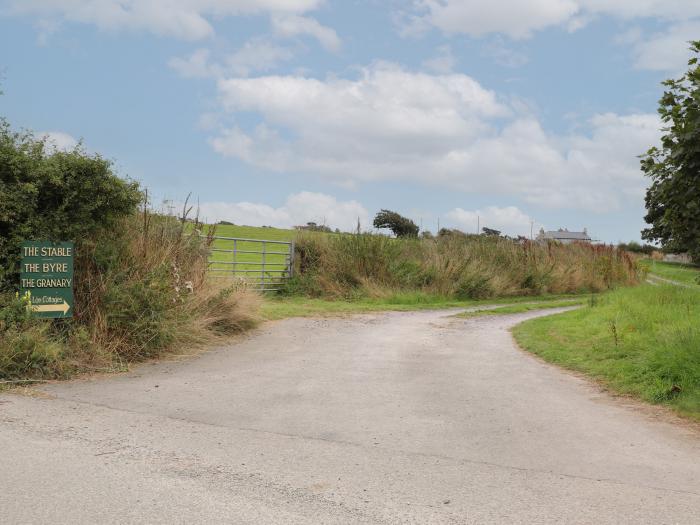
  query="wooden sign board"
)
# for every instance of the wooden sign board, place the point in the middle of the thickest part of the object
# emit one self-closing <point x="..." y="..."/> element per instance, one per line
<point x="47" y="275"/>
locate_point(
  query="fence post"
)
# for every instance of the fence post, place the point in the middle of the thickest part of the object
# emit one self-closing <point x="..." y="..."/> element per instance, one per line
<point x="292" y="252"/>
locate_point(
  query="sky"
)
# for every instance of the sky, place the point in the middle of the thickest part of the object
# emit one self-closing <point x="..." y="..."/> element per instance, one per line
<point x="459" y="113"/>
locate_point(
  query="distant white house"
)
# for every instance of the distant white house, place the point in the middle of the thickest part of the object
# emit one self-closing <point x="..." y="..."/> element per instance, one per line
<point x="564" y="236"/>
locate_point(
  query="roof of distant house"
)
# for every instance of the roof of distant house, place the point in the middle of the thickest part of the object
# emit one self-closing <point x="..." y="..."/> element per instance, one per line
<point x="565" y="234"/>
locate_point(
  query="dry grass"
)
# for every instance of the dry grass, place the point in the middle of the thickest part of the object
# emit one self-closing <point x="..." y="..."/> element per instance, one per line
<point x="472" y="267"/>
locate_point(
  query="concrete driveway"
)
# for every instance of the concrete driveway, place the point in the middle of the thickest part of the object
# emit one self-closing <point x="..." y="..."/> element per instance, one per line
<point x="388" y="418"/>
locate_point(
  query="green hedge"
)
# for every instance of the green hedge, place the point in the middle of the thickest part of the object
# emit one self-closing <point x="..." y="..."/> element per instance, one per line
<point x="54" y="195"/>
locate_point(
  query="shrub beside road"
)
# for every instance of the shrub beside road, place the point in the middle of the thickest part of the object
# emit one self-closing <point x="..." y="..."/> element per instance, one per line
<point x="141" y="286"/>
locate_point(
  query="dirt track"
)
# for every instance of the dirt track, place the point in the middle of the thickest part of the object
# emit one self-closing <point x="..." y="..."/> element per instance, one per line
<point x="390" y="418"/>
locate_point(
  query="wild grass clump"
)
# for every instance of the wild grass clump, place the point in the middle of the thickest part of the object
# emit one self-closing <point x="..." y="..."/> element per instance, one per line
<point x="463" y="267"/>
<point x="147" y="291"/>
<point x="26" y="346"/>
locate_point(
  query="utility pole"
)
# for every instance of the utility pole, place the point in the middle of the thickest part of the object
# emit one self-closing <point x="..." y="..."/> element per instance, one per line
<point x="478" y="224"/>
<point x="532" y="225"/>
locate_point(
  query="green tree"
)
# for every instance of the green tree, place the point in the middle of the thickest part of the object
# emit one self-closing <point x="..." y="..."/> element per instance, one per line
<point x="490" y="232"/>
<point x="673" y="199"/>
<point x="54" y="195"/>
<point x="401" y="226"/>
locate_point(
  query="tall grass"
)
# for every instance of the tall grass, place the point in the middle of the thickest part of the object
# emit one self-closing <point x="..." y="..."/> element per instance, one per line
<point x="464" y="267"/>
<point x="141" y="290"/>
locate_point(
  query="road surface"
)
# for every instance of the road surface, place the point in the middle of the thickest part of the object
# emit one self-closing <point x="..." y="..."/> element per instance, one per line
<point x="387" y="418"/>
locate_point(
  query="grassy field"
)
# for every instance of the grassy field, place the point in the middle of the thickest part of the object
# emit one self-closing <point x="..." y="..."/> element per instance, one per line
<point x="641" y="341"/>
<point x="274" y="308"/>
<point x="683" y="273"/>
<point x="255" y="232"/>
<point x="249" y="264"/>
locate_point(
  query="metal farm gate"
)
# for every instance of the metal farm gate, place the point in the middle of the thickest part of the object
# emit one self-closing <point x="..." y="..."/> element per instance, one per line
<point x="265" y="265"/>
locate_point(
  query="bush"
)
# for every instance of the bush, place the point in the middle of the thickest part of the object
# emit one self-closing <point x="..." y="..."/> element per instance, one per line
<point x="54" y="196"/>
<point x="474" y="287"/>
<point x="141" y="286"/>
<point x="635" y="247"/>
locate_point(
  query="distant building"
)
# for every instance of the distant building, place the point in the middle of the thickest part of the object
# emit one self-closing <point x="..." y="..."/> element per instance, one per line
<point x="564" y="236"/>
<point x="683" y="258"/>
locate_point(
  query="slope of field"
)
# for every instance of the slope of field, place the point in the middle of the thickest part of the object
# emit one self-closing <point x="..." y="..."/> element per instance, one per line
<point x="639" y="341"/>
<point x="254" y="232"/>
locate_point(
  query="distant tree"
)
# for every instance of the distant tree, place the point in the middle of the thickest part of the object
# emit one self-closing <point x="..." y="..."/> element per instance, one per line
<point x="452" y="232"/>
<point x="490" y="232"/>
<point x="225" y="223"/>
<point x="313" y="227"/>
<point x="401" y="226"/>
<point x="635" y="247"/>
<point x="673" y="199"/>
<point x="427" y="234"/>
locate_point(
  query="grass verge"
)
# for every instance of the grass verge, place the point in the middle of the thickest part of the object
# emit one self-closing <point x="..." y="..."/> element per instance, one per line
<point x="641" y="342"/>
<point x="274" y="308"/>
<point x="525" y="307"/>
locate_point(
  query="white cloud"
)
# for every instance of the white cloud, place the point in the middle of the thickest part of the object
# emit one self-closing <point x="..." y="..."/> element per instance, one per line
<point x="664" y="51"/>
<point x="58" y="140"/>
<point x="503" y="54"/>
<point x="196" y="64"/>
<point x="514" y="18"/>
<point x="627" y="9"/>
<point x="443" y="130"/>
<point x="298" y="209"/>
<point x="187" y="19"/>
<point x="510" y="220"/>
<point x="257" y="54"/>
<point x="519" y="19"/>
<point x="443" y="62"/>
<point x="290" y="25"/>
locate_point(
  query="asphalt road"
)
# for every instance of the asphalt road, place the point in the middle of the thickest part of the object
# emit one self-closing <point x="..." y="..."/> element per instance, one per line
<point x="391" y="418"/>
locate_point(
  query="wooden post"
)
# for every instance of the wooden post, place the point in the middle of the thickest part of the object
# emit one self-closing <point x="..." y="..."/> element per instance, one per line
<point x="291" y="259"/>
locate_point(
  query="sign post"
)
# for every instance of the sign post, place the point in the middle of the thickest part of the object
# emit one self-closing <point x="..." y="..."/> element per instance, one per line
<point x="47" y="274"/>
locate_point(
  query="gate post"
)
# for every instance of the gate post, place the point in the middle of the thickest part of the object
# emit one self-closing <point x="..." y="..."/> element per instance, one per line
<point x="292" y="252"/>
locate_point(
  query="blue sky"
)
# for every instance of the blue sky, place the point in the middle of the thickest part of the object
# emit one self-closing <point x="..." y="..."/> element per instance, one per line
<point x="281" y="112"/>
